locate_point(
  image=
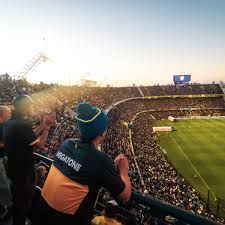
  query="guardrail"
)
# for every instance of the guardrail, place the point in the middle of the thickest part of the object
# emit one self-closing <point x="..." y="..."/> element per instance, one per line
<point x="158" y="208"/>
<point x="164" y="209"/>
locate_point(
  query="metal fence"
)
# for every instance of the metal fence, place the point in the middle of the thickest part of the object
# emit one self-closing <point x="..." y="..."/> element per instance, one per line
<point x="217" y="205"/>
<point x="161" y="209"/>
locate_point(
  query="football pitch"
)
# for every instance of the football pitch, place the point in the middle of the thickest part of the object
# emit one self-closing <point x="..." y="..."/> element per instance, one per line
<point x="197" y="150"/>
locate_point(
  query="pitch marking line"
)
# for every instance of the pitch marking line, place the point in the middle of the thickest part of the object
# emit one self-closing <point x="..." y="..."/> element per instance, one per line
<point x="196" y="170"/>
<point x="193" y="166"/>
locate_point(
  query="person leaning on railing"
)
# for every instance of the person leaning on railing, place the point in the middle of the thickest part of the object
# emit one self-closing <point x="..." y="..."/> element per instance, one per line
<point x="79" y="171"/>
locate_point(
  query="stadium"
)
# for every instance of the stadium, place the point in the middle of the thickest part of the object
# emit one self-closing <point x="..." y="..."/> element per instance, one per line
<point x="112" y="112"/>
<point x="182" y="168"/>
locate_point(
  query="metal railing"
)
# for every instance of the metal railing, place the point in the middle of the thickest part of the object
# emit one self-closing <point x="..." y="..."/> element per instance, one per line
<point x="158" y="208"/>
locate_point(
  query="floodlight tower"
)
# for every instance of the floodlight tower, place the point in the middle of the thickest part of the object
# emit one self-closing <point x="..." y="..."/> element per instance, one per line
<point x="35" y="61"/>
<point x="32" y="64"/>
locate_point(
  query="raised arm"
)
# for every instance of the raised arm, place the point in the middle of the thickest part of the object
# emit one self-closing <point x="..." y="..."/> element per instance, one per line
<point x="116" y="179"/>
<point x="45" y="126"/>
<point x="122" y="164"/>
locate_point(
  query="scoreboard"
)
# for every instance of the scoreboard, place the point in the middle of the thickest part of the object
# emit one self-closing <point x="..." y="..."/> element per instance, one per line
<point x="181" y="79"/>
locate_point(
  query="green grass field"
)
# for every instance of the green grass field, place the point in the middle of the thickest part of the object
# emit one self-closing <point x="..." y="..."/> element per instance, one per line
<point x="197" y="150"/>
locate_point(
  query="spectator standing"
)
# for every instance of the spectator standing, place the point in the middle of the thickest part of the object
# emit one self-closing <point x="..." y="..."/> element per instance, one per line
<point x="19" y="140"/>
<point x="78" y="172"/>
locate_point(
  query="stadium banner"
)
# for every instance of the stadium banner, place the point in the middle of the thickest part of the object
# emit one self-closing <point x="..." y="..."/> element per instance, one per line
<point x="162" y="129"/>
<point x="171" y="118"/>
<point x="185" y="96"/>
<point x="201" y="117"/>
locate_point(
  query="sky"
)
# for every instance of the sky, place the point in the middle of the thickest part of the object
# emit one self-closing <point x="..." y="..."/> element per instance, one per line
<point x="117" y="42"/>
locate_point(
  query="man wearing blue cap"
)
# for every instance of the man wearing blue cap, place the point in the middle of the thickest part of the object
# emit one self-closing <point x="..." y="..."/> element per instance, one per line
<point x="78" y="172"/>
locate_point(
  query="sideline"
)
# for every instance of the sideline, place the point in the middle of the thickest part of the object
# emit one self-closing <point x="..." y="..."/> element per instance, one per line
<point x="207" y="186"/>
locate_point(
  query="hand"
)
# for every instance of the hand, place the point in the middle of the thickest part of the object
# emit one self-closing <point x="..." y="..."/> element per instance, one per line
<point x="52" y="118"/>
<point x="46" y="124"/>
<point x="122" y="164"/>
<point x="49" y="120"/>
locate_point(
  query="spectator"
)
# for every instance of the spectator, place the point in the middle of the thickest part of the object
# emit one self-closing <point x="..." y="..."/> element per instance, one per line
<point x="41" y="174"/>
<point x="181" y="89"/>
<point x="109" y="215"/>
<point x="19" y="140"/>
<point x="78" y="172"/>
<point x="5" y="114"/>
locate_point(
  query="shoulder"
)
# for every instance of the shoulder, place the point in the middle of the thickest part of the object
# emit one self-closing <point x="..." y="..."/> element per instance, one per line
<point x="102" y="155"/>
<point x="68" y="145"/>
<point x="9" y="125"/>
<point x="69" y="142"/>
<point x="16" y="122"/>
<point x="105" y="159"/>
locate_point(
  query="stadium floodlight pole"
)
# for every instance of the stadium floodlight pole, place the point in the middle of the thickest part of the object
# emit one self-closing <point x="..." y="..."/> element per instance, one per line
<point x="36" y="60"/>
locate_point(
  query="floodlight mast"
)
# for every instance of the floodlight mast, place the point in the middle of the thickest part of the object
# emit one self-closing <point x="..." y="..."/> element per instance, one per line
<point x="36" y="60"/>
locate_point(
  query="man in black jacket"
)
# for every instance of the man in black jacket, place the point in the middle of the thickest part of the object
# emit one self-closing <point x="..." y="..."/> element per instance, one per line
<point x="19" y="141"/>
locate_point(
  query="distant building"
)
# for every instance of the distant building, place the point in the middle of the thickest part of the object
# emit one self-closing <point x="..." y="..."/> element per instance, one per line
<point x="88" y="83"/>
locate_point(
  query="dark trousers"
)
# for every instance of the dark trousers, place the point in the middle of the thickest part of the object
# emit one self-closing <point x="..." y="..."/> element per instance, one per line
<point x="22" y="191"/>
<point x="45" y="215"/>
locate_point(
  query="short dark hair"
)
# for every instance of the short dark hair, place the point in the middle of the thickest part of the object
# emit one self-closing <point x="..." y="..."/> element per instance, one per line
<point x="21" y="102"/>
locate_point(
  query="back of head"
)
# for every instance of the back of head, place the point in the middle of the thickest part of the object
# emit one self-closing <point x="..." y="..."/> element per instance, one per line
<point x="91" y="121"/>
<point x="41" y="170"/>
<point x="21" y="103"/>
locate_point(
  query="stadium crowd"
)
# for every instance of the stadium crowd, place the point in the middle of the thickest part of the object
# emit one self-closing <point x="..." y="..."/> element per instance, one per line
<point x="160" y="179"/>
<point x="100" y="96"/>
<point x="159" y="90"/>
